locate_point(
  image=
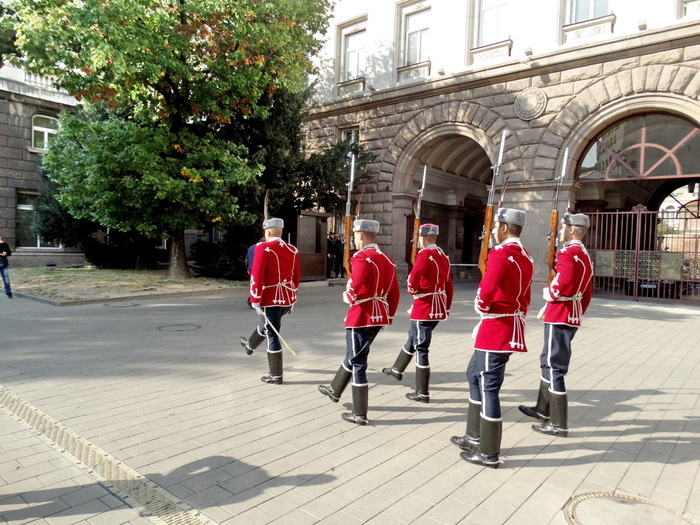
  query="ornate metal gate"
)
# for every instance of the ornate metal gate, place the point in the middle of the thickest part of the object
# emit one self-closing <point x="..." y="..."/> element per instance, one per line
<point x="653" y="255"/>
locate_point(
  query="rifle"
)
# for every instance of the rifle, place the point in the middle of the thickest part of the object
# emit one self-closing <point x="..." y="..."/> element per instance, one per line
<point x="348" y="217"/>
<point x="552" y="237"/>
<point x="488" y="217"/>
<point x="416" y="221"/>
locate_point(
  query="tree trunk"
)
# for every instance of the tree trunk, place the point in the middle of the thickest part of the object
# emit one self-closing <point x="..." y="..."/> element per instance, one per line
<point x="178" y="259"/>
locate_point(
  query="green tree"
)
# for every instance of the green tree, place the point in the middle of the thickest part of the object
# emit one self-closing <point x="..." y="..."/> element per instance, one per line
<point x="7" y="33"/>
<point x="176" y="73"/>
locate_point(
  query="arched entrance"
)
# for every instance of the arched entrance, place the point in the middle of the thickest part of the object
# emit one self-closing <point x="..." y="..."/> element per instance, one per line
<point x="641" y="246"/>
<point x="457" y="162"/>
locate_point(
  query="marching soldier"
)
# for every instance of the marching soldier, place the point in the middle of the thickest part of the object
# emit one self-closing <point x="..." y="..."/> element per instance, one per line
<point x="274" y="280"/>
<point x="430" y="284"/>
<point x="502" y="300"/>
<point x="373" y="293"/>
<point x="567" y="299"/>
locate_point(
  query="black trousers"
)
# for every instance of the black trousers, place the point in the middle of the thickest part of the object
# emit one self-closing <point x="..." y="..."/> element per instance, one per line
<point x="274" y="315"/>
<point x="485" y="374"/>
<point x="420" y="334"/>
<point x="556" y="355"/>
<point x="357" y="343"/>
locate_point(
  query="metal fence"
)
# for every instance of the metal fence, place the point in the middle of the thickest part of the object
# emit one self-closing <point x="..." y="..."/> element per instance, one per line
<point x="646" y="254"/>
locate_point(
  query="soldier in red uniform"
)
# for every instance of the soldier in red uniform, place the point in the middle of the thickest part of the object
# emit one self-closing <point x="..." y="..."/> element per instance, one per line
<point x="373" y="293"/>
<point x="430" y="284"/>
<point x="567" y="299"/>
<point x="502" y="301"/>
<point x="274" y="280"/>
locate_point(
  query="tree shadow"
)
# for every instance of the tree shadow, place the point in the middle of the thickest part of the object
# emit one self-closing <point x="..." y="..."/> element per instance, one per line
<point x="154" y="495"/>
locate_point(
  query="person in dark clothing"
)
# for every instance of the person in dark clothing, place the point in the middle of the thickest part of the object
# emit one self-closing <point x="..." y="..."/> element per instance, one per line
<point x="339" y="255"/>
<point x="5" y="252"/>
<point x="330" y="254"/>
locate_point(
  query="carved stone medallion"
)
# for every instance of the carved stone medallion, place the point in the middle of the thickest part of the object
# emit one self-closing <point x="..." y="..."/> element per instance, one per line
<point x="530" y="103"/>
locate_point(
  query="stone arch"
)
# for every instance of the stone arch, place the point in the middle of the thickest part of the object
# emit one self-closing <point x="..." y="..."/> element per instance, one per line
<point x="472" y="120"/>
<point x="670" y="88"/>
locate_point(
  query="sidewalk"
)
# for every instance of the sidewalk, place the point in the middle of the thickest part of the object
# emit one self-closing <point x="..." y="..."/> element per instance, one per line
<point x="149" y="411"/>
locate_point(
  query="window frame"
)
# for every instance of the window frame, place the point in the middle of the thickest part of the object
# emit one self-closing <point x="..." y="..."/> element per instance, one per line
<point x="47" y="133"/>
<point x="419" y="9"/>
<point x="480" y="40"/>
<point x="24" y="207"/>
<point x="592" y="15"/>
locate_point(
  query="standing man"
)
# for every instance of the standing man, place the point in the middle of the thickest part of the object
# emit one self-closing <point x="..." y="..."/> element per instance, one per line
<point x="330" y="254"/>
<point x="339" y="254"/>
<point x="373" y="293"/>
<point x="568" y="297"/>
<point x="5" y="252"/>
<point x="274" y="281"/>
<point x="502" y="300"/>
<point x="430" y="284"/>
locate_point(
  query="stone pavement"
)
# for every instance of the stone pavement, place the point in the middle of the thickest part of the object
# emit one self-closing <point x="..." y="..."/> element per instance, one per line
<point x="149" y="411"/>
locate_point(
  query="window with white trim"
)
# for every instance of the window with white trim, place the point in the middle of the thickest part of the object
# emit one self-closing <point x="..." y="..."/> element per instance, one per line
<point x="582" y="10"/>
<point x="354" y="55"/>
<point x="493" y="21"/>
<point x="43" y="130"/>
<point x="351" y="135"/>
<point x="24" y="224"/>
<point x="415" y="38"/>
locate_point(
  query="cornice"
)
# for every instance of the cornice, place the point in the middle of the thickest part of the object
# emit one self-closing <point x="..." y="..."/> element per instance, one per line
<point x="561" y="59"/>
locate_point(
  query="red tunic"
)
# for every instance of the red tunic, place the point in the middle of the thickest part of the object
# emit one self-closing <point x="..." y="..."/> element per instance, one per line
<point x="430" y="284"/>
<point x="571" y="290"/>
<point x="275" y="275"/>
<point x="503" y="298"/>
<point x="372" y="290"/>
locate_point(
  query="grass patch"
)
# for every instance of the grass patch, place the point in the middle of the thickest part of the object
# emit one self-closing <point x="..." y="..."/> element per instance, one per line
<point x="94" y="283"/>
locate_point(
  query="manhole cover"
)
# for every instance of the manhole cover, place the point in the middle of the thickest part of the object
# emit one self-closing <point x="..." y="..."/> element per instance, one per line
<point x="619" y="509"/>
<point x="121" y="305"/>
<point x="179" y="327"/>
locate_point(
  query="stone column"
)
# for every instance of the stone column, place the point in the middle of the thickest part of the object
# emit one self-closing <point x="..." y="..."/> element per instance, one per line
<point x="402" y="207"/>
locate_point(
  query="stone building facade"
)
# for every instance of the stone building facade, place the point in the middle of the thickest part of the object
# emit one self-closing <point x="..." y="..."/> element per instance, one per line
<point x="29" y="108"/>
<point x="562" y="91"/>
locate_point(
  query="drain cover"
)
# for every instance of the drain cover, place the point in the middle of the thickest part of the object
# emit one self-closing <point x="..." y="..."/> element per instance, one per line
<point x="619" y="509"/>
<point x="179" y="327"/>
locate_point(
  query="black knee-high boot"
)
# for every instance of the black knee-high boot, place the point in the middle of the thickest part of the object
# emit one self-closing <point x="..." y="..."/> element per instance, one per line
<point x="541" y="409"/>
<point x="274" y="360"/>
<point x="252" y="342"/>
<point x="421" y="394"/>
<point x="402" y="361"/>
<point x="360" y="400"/>
<point x="489" y="445"/>
<point x="337" y="386"/>
<point x="558" y="417"/>
<point x="471" y="439"/>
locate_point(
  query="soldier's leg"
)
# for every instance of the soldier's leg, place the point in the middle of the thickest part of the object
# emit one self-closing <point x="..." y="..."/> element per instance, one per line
<point x="471" y="437"/>
<point x="338" y="385"/>
<point x="257" y="337"/>
<point x="492" y="368"/>
<point x="358" y="341"/>
<point x="559" y="358"/>
<point x="423" y="339"/>
<point x="274" y="345"/>
<point x="405" y="354"/>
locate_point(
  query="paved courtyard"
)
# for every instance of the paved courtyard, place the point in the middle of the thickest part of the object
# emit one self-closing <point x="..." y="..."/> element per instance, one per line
<point x="149" y="411"/>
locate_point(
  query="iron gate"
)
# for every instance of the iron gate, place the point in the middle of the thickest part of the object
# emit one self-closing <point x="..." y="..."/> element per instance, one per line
<point x="646" y="254"/>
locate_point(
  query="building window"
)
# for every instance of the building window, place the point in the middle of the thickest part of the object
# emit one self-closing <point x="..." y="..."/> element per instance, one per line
<point x="416" y="33"/>
<point x="583" y="10"/>
<point x="43" y="130"/>
<point x="354" y="55"/>
<point x="493" y="21"/>
<point x="26" y="238"/>
<point x="352" y="135"/>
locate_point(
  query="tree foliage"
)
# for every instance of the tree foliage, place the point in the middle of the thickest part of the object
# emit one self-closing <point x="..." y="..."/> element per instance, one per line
<point x="173" y="75"/>
<point x="127" y="176"/>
